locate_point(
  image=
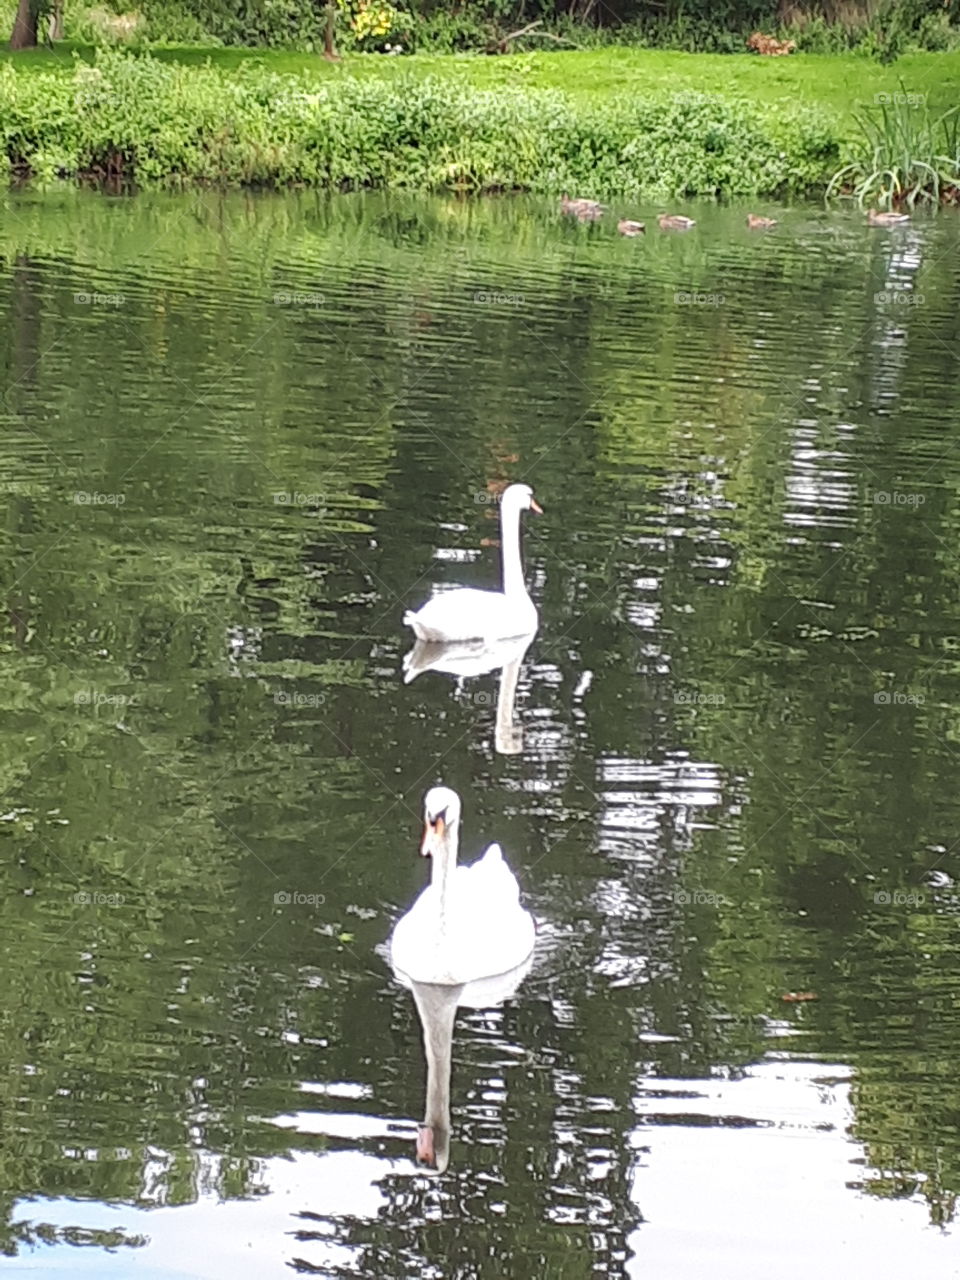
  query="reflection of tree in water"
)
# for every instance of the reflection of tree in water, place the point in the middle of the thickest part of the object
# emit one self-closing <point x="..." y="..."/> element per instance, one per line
<point x="32" y="1235"/>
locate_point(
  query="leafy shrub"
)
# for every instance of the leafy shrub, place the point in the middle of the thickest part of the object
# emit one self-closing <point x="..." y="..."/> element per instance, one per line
<point x="444" y="31"/>
<point x="164" y="122"/>
<point x="702" y="26"/>
<point x="374" y="24"/>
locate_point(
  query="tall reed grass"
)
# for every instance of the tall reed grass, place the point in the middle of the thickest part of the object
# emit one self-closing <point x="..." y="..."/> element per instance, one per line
<point x="902" y="155"/>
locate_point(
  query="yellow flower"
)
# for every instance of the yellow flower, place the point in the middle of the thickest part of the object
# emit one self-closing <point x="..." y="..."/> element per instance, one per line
<point x="373" y="19"/>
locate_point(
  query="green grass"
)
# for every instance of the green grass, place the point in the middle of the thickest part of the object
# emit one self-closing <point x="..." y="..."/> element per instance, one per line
<point x="839" y="85"/>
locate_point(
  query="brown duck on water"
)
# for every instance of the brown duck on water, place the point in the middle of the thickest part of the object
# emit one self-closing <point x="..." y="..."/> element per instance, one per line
<point x="886" y="218"/>
<point x="585" y="210"/>
<point x="675" y="222"/>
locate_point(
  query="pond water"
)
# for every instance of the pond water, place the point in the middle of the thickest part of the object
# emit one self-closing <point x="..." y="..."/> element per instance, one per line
<point x="240" y="435"/>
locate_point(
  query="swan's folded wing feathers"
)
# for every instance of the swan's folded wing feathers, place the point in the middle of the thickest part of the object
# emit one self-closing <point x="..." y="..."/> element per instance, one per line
<point x="493" y="879"/>
<point x="492" y="858"/>
<point x="470" y="614"/>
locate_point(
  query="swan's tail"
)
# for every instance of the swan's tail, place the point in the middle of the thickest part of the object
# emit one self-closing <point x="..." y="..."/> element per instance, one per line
<point x="410" y="619"/>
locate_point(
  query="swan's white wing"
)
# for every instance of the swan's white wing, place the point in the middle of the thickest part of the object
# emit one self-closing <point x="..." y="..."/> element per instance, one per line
<point x="493" y="883"/>
<point x="486" y="931"/>
<point x="468" y="614"/>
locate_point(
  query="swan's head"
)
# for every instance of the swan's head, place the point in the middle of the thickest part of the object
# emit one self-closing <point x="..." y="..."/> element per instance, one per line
<point x="441" y="814"/>
<point x="521" y="497"/>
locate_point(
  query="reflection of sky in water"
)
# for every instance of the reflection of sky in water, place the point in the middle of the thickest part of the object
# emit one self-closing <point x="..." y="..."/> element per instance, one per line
<point x="786" y="1119"/>
<point x="640" y="801"/>
<point x="821" y="492"/>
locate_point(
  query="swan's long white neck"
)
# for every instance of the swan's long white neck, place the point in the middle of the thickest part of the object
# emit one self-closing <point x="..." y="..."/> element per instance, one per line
<point x="444" y="861"/>
<point x="513" y="584"/>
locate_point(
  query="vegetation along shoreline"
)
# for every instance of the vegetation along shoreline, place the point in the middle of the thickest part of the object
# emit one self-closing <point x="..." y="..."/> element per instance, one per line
<point x="450" y="124"/>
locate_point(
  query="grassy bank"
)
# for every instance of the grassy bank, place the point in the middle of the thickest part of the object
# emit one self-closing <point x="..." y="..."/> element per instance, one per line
<point x="611" y="121"/>
<point x="836" y="84"/>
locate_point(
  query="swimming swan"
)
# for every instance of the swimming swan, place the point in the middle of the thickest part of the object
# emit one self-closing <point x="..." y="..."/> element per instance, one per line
<point x="468" y="614"/>
<point x="468" y="923"/>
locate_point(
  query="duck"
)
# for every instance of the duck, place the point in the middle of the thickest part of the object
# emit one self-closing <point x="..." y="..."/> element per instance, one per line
<point x="886" y="218"/>
<point x="756" y="222"/>
<point x="468" y="923"/>
<point x="469" y="614"/>
<point x="627" y="227"/>
<point x="582" y="209"/>
<point x="675" y="222"/>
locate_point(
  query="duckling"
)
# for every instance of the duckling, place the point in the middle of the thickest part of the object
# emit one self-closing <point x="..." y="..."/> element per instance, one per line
<point x="886" y="218"/>
<point x="675" y="222"/>
<point x="627" y="227"/>
<point x="582" y="209"/>
<point x="757" y="223"/>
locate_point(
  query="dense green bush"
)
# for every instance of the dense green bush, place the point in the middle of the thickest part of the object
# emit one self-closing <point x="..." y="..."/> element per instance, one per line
<point x="881" y="30"/>
<point x="705" y="26"/>
<point x="149" y="121"/>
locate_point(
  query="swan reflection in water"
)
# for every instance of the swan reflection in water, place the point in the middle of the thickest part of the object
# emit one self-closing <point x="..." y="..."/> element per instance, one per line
<point x="465" y="659"/>
<point x="437" y="1007"/>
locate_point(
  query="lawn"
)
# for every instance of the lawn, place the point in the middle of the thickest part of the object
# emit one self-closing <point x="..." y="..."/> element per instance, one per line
<point x="838" y="84"/>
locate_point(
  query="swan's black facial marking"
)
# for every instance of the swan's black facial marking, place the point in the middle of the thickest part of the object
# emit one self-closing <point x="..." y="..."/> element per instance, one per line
<point x="442" y="815"/>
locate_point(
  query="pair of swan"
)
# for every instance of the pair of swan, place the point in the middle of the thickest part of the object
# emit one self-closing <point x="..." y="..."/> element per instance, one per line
<point x="468" y="924"/>
<point x="466" y="939"/>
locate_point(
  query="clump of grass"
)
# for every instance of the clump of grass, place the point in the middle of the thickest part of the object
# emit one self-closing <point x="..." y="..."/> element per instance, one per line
<point x="902" y="155"/>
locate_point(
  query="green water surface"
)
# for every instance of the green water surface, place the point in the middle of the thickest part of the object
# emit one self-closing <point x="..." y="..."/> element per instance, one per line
<point x="239" y="436"/>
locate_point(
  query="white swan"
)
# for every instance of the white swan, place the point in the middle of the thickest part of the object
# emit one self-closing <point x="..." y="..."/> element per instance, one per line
<point x="468" y="923"/>
<point x="437" y="1007"/>
<point x="468" y="614"/>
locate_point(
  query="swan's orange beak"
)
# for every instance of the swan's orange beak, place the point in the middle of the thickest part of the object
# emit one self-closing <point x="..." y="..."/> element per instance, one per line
<point x="535" y="506"/>
<point x="432" y="835"/>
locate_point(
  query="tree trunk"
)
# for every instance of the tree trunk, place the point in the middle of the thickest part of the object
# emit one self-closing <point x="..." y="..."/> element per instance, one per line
<point x="25" y="25"/>
<point x="56" y="21"/>
<point x="328" y="50"/>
